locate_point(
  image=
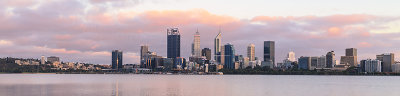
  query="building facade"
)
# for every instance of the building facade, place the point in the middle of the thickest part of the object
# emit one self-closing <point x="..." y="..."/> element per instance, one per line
<point x="350" y="58"/>
<point x="269" y="51"/>
<point x="53" y="59"/>
<point x="116" y="59"/>
<point x="330" y="59"/>
<point x="206" y="52"/>
<point x="370" y="65"/>
<point x="196" y="50"/>
<point x="173" y="43"/>
<point x="143" y="51"/>
<point x="229" y="57"/>
<point x="304" y="63"/>
<point x="251" y="52"/>
<point x="217" y="47"/>
<point x="387" y="61"/>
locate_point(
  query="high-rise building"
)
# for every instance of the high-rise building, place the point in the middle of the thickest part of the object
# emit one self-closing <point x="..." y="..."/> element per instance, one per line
<point x="222" y="55"/>
<point x="351" y="52"/>
<point x="206" y="52"/>
<point x="217" y="47"/>
<point x="229" y="57"/>
<point x="269" y="52"/>
<point x="53" y="59"/>
<point x="304" y="63"/>
<point x="321" y="62"/>
<point x="116" y="59"/>
<point x="291" y="56"/>
<point x="43" y="61"/>
<point x="251" y="52"/>
<point x="330" y="59"/>
<point x="196" y="50"/>
<point x="350" y="58"/>
<point x="173" y="43"/>
<point x="143" y="51"/>
<point x="387" y="61"/>
<point x="369" y="65"/>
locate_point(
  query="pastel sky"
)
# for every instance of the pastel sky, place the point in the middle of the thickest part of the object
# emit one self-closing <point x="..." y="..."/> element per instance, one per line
<point x="87" y="30"/>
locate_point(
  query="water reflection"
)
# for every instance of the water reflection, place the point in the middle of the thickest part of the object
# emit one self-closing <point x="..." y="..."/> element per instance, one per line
<point x="193" y="85"/>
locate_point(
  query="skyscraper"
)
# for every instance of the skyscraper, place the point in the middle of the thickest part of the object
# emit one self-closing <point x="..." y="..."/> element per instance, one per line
<point x="350" y="58"/>
<point x="370" y="65"/>
<point x="173" y="43"/>
<point x="251" y="52"/>
<point x="351" y="52"/>
<point x="269" y="52"/>
<point x="291" y="56"/>
<point x="222" y="55"/>
<point x="196" y="50"/>
<point x="206" y="52"/>
<point x="217" y="47"/>
<point x="43" y="61"/>
<point x="229" y="56"/>
<point x="330" y="59"/>
<point x="304" y="63"/>
<point x="143" y="51"/>
<point x="116" y="59"/>
<point x="387" y="61"/>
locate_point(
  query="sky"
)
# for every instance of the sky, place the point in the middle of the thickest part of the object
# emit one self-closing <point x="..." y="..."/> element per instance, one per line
<point x="87" y="30"/>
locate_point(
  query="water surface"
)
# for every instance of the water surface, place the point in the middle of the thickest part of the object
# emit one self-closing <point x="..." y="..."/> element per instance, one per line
<point x="196" y="85"/>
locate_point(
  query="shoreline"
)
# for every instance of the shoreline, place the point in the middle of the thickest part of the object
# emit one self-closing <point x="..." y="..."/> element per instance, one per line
<point x="204" y="74"/>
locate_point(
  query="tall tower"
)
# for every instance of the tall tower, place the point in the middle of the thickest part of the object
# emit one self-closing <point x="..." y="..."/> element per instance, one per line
<point x="291" y="56"/>
<point x="173" y="43"/>
<point x="251" y="52"/>
<point x="116" y="59"/>
<point x="43" y="61"/>
<point x="196" y="51"/>
<point x="229" y="56"/>
<point x="330" y="59"/>
<point x="217" y="45"/>
<point x="269" y="52"/>
<point x="143" y="51"/>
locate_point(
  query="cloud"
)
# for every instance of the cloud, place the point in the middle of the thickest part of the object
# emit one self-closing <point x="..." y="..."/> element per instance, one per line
<point x="5" y="43"/>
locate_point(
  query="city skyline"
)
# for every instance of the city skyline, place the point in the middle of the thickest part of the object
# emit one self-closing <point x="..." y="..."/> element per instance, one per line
<point x="87" y="31"/>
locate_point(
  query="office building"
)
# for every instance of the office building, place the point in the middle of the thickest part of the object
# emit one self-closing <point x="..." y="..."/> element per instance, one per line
<point x="43" y="61"/>
<point x="321" y="62"/>
<point x="396" y="67"/>
<point x="206" y="52"/>
<point x="387" y="61"/>
<point x="350" y="58"/>
<point x="196" y="50"/>
<point x="217" y="47"/>
<point x="53" y="59"/>
<point x="330" y="59"/>
<point x="143" y="51"/>
<point x="229" y="57"/>
<point x="116" y="60"/>
<point x="173" y="43"/>
<point x="269" y="52"/>
<point x="291" y="56"/>
<point x="222" y="55"/>
<point x="251" y="52"/>
<point x="304" y="63"/>
<point x="369" y="65"/>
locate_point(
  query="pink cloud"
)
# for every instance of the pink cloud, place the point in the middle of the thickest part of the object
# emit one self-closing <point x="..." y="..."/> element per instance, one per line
<point x="335" y="31"/>
<point x="364" y="44"/>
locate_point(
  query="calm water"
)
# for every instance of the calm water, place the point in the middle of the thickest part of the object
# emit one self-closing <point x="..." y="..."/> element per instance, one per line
<point x="195" y="85"/>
